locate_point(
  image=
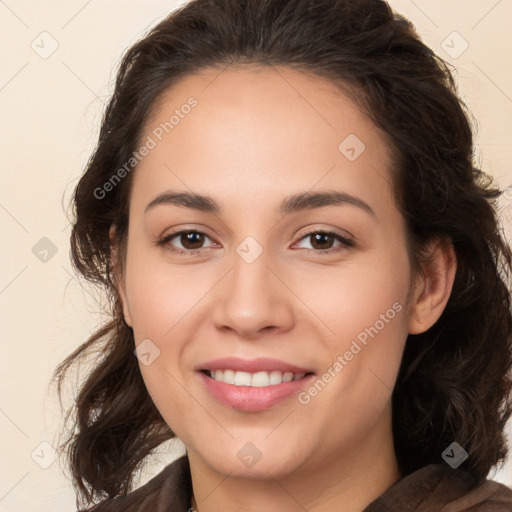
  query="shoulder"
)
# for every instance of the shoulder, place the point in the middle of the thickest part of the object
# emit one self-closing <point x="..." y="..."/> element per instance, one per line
<point x="439" y="487"/>
<point x="483" y="496"/>
<point x="169" y="490"/>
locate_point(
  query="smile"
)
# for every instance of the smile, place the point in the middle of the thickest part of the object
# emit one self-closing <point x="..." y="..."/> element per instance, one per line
<point x="253" y="392"/>
<point x="257" y="380"/>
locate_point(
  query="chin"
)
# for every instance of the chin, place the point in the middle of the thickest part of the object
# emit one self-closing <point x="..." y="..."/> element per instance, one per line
<point x="248" y="461"/>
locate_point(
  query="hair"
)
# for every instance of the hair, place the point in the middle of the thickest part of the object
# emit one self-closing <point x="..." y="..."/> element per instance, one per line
<point x="455" y="379"/>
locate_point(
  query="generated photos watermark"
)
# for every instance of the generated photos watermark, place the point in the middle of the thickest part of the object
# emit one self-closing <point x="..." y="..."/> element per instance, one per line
<point x="150" y="143"/>
<point x="356" y="346"/>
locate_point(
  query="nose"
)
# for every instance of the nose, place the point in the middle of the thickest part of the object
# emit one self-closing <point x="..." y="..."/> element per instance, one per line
<point x="253" y="300"/>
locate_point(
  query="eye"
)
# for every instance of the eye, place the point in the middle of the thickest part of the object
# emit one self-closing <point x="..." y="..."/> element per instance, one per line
<point x="322" y="241"/>
<point x="191" y="241"/>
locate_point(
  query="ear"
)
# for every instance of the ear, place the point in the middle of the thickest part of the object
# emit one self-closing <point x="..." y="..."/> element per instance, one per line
<point x="433" y="287"/>
<point x="119" y="276"/>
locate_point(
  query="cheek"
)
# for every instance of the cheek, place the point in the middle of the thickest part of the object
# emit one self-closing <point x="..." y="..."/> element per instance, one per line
<point x="162" y="302"/>
<point x="351" y="298"/>
<point x="364" y="308"/>
<point x="159" y="295"/>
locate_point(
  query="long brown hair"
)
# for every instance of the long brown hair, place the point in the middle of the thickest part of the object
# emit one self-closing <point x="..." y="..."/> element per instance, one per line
<point x="454" y="382"/>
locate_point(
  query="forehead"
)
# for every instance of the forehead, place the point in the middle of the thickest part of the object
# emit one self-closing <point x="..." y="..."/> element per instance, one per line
<point x="258" y="130"/>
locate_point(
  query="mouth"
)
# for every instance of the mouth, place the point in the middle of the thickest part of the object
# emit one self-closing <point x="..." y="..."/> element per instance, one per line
<point x="258" y="379"/>
<point x="253" y="385"/>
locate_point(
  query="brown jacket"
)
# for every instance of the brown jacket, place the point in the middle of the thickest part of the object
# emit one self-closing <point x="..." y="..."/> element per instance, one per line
<point x="433" y="488"/>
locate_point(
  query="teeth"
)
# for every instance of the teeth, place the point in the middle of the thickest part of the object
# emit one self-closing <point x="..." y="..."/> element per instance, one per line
<point x="257" y="380"/>
<point x="242" y="379"/>
<point x="228" y="376"/>
<point x="260" y="379"/>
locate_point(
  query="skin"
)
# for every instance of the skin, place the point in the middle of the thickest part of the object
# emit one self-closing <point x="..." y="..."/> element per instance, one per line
<point x="256" y="136"/>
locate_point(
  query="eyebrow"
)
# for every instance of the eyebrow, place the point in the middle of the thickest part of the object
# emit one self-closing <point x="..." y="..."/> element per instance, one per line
<point x="291" y="204"/>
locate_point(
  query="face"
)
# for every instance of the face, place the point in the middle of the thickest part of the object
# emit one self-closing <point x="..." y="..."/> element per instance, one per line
<point x="294" y="267"/>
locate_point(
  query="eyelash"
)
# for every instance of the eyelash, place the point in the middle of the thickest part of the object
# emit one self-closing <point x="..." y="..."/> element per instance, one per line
<point x="346" y="243"/>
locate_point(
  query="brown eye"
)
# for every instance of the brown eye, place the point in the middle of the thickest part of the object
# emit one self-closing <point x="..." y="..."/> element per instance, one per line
<point x="191" y="239"/>
<point x="185" y="242"/>
<point x="323" y="242"/>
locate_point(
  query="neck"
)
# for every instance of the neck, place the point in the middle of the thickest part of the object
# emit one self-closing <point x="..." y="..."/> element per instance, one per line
<point x="354" y="477"/>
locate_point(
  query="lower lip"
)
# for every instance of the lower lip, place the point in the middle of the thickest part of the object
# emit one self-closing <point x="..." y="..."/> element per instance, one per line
<point x="253" y="399"/>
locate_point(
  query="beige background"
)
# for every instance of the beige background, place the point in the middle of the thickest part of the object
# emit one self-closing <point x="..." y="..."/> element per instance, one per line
<point x="51" y="110"/>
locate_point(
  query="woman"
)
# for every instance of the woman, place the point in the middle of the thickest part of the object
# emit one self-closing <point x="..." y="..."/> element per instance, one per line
<point x="307" y="276"/>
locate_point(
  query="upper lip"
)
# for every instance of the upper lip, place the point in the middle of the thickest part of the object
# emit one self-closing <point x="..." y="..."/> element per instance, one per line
<point x="252" y="366"/>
